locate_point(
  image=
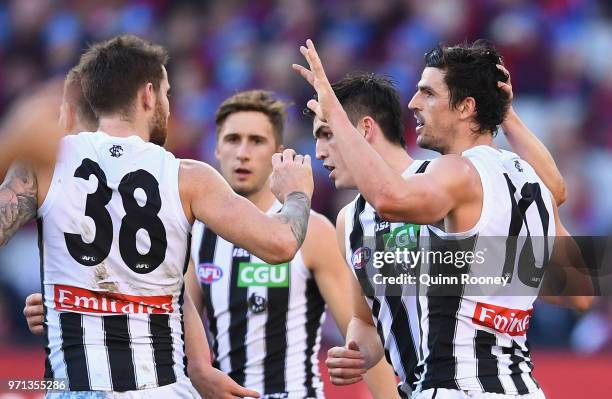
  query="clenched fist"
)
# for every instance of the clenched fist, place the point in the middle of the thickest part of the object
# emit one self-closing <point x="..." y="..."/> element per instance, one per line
<point x="291" y="172"/>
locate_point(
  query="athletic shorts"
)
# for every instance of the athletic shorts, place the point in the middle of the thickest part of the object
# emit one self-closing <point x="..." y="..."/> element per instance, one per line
<point x="181" y="389"/>
<point x="442" y="393"/>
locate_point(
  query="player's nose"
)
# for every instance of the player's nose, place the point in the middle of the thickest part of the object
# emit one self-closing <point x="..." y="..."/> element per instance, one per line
<point x="320" y="150"/>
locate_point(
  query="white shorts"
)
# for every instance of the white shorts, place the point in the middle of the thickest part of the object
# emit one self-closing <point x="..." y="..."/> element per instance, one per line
<point x="442" y="393"/>
<point x="181" y="389"/>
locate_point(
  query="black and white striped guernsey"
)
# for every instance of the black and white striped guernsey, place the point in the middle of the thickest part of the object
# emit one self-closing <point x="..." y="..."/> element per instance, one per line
<point x="265" y="320"/>
<point x="473" y="338"/>
<point x="394" y="314"/>
<point x="114" y="244"/>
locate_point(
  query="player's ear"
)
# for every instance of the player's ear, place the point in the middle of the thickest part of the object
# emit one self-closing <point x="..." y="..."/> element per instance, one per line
<point x="148" y="96"/>
<point x="467" y="108"/>
<point x="368" y="127"/>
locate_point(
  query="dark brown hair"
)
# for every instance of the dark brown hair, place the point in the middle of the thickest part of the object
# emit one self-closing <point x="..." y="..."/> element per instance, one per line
<point x="471" y="71"/>
<point x="255" y="100"/>
<point x="113" y="71"/>
<point x="74" y="92"/>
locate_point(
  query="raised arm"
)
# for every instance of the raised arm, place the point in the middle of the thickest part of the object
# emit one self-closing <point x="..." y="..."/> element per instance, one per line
<point x="30" y="122"/>
<point x="273" y="238"/>
<point x="18" y="202"/>
<point x="527" y="145"/>
<point x="421" y="199"/>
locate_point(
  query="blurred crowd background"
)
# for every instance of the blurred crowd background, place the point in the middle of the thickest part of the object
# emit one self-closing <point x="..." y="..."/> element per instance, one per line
<point x="558" y="53"/>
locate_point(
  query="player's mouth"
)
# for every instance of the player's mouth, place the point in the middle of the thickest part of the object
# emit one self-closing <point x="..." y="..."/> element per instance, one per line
<point x="242" y="172"/>
<point x="331" y="170"/>
<point x="420" y="122"/>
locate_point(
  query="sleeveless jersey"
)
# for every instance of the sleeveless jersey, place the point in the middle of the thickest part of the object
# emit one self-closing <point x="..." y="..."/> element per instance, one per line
<point x="394" y="313"/>
<point x="114" y="244"/>
<point x="473" y="334"/>
<point x="265" y="320"/>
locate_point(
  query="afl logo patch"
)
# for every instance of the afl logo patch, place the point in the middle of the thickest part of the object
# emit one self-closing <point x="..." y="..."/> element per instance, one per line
<point x="361" y="257"/>
<point x="209" y="273"/>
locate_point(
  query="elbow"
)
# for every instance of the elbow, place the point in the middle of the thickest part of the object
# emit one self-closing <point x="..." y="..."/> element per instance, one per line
<point x="385" y="203"/>
<point x="560" y="193"/>
<point x="283" y="250"/>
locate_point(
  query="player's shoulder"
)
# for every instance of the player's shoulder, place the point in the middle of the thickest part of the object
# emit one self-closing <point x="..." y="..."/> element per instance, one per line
<point x="190" y="169"/>
<point x="318" y="223"/>
<point x="457" y="170"/>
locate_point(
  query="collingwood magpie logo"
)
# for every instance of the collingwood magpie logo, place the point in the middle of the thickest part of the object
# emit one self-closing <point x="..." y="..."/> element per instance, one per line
<point x="257" y="303"/>
<point x="116" y="151"/>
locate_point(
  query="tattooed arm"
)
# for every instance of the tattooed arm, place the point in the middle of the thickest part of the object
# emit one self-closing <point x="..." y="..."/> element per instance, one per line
<point x="295" y="213"/>
<point x="206" y="196"/>
<point x="18" y="201"/>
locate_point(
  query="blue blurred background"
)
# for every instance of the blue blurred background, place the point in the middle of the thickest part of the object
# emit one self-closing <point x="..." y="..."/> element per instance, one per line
<point x="558" y="53"/>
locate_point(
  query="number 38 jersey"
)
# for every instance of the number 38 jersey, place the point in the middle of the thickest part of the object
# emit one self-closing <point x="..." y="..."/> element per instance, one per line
<point x="114" y="247"/>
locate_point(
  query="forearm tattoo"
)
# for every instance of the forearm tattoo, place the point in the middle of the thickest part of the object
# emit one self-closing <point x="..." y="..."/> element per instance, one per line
<point x="18" y="201"/>
<point x="295" y="212"/>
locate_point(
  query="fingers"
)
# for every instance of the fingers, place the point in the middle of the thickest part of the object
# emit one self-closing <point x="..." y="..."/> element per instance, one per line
<point x="243" y="392"/>
<point x="345" y="381"/>
<point x="299" y="159"/>
<point x="306" y="74"/>
<point x="341" y="352"/>
<point x="37" y="330"/>
<point x="307" y="160"/>
<point x="34" y="299"/>
<point x="315" y="61"/>
<point x="314" y="106"/>
<point x="277" y="158"/>
<point x="504" y="70"/>
<point x="345" y="363"/>
<point x="352" y="345"/>
<point x="288" y="155"/>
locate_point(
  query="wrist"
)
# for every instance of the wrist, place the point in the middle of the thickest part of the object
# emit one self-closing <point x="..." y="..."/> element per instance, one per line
<point x="198" y="368"/>
<point x="510" y="120"/>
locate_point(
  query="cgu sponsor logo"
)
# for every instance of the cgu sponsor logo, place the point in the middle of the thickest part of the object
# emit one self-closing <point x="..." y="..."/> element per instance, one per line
<point x="504" y="320"/>
<point x="209" y="273"/>
<point x="76" y="299"/>
<point x="263" y="275"/>
<point x="401" y="237"/>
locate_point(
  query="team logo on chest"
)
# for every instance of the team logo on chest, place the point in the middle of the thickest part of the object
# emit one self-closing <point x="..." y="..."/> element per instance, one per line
<point x="209" y="273"/>
<point x="257" y="304"/>
<point x="116" y="151"/>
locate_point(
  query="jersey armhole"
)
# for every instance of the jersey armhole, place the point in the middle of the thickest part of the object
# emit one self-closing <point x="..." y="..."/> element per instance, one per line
<point x="182" y="218"/>
<point x="56" y="178"/>
<point x="484" y="213"/>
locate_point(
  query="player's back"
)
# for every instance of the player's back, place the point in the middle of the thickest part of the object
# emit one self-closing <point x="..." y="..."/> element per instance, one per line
<point x="114" y="243"/>
<point x="474" y="330"/>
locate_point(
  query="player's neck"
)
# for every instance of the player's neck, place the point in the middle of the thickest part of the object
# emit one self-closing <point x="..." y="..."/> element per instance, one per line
<point x="116" y="126"/>
<point x="263" y="199"/>
<point x="470" y="141"/>
<point x="395" y="156"/>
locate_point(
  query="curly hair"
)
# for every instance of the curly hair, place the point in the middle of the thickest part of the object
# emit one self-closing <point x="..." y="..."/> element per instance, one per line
<point x="471" y="71"/>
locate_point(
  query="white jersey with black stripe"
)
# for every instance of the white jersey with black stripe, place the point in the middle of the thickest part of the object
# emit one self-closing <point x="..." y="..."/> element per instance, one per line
<point x="114" y="244"/>
<point x="473" y="332"/>
<point x="265" y="320"/>
<point x="394" y="313"/>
